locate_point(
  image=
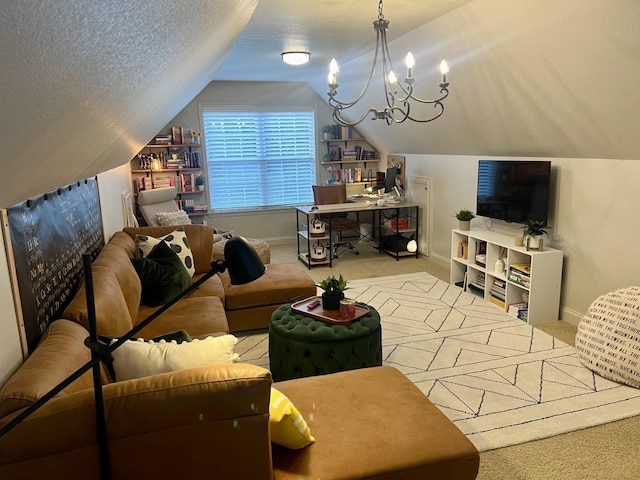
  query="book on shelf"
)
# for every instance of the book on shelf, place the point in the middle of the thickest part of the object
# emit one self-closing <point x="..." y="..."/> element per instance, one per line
<point x="518" y="279"/>
<point x="163" y="140"/>
<point x="518" y="310"/>
<point x="521" y="268"/>
<point x="176" y="135"/>
<point x="496" y="301"/>
<point x="187" y="182"/>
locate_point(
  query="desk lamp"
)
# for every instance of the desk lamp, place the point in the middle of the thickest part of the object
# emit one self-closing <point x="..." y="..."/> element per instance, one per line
<point x="244" y="266"/>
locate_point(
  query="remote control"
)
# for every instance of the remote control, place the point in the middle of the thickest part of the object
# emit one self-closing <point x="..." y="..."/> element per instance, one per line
<point x="313" y="304"/>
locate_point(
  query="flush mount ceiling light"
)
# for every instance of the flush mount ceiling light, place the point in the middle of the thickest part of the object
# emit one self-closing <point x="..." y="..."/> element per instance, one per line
<point x="295" y="58"/>
<point x="398" y="97"/>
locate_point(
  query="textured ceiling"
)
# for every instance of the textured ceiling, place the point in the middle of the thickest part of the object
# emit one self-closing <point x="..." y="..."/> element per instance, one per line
<point x="334" y="28"/>
<point x="85" y="84"/>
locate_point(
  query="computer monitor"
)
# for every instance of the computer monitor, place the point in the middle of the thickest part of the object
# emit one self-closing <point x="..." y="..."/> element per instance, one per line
<point x="390" y="179"/>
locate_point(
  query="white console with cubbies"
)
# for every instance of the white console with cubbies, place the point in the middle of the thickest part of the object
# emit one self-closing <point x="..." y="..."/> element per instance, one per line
<point x="505" y="287"/>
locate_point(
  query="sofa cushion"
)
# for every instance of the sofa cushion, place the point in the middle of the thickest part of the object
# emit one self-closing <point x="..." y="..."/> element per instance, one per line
<point x="162" y="274"/>
<point x="60" y="352"/>
<point x="286" y="425"/>
<point x="200" y="240"/>
<point x="281" y="283"/>
<point x="137" y="358"/>
<point x="178" y="242"/>
<point x="199" y="316"/>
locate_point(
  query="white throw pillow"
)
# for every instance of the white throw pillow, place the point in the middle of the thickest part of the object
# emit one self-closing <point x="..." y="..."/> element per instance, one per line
<point x="137" y="358"/>
<point x="178" y="242"/>
<point x="170" y="219"/>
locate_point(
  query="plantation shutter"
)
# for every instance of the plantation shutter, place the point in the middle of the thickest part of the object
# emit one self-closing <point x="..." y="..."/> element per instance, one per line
<point x="259" y="159"/>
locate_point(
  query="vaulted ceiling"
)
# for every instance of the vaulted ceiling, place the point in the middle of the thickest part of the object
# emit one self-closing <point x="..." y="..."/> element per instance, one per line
<point x="85" y="84"/>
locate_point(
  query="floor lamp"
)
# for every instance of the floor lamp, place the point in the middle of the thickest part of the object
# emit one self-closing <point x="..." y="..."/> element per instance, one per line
<point x="244" y="266"/>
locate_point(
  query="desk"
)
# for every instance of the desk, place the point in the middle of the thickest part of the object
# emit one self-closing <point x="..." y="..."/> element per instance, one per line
<point x="389" y="229"/>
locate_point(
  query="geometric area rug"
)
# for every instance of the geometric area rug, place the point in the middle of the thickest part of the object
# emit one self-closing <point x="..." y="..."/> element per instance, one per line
<point x="501" y="381"/>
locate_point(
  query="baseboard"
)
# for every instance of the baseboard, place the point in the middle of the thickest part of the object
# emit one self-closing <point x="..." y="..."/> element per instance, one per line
<point x="280" y="240"/>
<point x="440" y="260"/>
<point x="570" y="316"/>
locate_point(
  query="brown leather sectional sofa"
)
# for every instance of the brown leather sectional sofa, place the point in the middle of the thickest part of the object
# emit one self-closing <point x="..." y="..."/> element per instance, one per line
<point x="212" y="422"/>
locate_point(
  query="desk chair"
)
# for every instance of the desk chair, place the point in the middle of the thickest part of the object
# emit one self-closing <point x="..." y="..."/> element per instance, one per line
<point x="338" y="222"/>
<point x="151" y="202"/>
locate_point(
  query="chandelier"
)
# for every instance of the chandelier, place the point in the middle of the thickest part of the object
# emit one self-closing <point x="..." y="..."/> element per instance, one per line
<point x="398" y="97"/>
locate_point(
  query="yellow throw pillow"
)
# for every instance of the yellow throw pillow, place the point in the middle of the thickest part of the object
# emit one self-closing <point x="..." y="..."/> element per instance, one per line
<point x="286" y="424"/>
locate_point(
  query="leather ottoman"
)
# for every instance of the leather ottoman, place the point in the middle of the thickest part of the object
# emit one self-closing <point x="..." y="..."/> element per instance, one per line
<point x="372" y="423"/>
<point x="250" y="306"/>
<point x="301" y="346"/>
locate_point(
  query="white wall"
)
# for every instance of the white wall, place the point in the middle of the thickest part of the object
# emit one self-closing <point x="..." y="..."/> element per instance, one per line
<point x="110" y="185"/>
<point x="10" y="350"/>
<point x="590" y="218"/>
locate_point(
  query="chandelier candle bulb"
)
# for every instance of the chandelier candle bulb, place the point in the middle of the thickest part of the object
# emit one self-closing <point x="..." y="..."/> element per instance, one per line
<point x="399" y="99"/>
<point x="444" y="69"/>
<point x="410" y="62"/>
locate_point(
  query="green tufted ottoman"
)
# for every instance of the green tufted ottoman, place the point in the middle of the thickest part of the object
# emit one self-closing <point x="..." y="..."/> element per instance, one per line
<point x="301" y="346"/>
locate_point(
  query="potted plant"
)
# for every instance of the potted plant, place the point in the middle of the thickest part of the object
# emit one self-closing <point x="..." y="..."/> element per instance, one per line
<point x="326" y="130"/>
<point x="333" y="292"/>
<point x="465" y="216"/>
<point x="200" y="182"/>
<point x="532" y="231"/>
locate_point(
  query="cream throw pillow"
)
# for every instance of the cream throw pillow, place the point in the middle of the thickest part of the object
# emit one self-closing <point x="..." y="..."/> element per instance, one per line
<point x="139" y="358"/>
<point x="170" y="219"/>
<point x="178" y="242"/>
<point x="286" y="425"/>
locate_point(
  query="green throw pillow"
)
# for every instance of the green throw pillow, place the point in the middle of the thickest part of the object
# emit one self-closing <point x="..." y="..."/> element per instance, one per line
<point x="162" y="275"/>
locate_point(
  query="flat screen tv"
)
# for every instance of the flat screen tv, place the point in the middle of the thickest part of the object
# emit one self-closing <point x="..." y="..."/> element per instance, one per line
<point x="513" y="191"/>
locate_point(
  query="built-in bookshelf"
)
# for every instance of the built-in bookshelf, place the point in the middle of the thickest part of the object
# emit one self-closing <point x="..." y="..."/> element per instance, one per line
<point x="524" y="283"/>
<point x="168" y="164"/>
<point x="351" y="158"/>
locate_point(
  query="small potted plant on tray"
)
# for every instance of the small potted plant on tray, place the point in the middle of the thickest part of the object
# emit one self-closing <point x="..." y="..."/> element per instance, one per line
<point x="333" y="292"/>
<point x="465" y="216"/>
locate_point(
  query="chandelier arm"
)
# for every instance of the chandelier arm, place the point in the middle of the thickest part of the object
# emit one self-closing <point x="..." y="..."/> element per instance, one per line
<point x="345" y="123"/>
<point x="398" y="95"/>
<point x="334" y="101"/>
<point x="437" y="105"/>
<point x="387" y="67"/>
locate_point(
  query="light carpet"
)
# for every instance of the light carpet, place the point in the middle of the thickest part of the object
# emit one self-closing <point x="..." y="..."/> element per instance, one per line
<point x="499" y="380"/>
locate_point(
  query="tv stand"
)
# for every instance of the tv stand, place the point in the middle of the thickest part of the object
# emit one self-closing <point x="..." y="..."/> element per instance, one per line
<point x="529" y="277"/>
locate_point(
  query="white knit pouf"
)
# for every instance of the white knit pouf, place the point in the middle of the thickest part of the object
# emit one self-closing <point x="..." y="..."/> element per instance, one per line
<point x="608" y="338"/>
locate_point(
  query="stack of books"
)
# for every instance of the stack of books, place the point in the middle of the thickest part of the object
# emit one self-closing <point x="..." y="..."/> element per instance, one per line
<point x="520" y="273"/>
<point x="519" y="310"/>
<point x="477" y="285"/>
<point x="349" y="155"/>
<point x="175" y="163"/>
<point x="497" y="292"/>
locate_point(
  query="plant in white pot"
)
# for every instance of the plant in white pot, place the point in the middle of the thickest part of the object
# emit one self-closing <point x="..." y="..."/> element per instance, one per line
<point x="533" y="231"/>
<point x="465" y="216"/>
<point x="326" y="130"/>
<point x="333" y="292"/>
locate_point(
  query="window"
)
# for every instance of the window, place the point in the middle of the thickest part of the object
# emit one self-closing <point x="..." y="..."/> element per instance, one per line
<point x="259" y="159"/>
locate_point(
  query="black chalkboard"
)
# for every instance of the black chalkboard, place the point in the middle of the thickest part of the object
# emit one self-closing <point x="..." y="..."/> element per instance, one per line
<point x="48" y="236"/>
